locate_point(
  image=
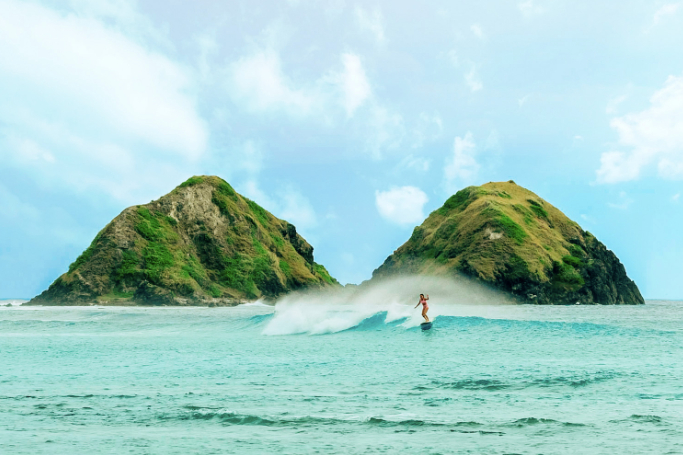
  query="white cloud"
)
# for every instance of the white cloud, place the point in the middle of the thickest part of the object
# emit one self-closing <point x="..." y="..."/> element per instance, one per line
<point x="28" y="150"/>
<point x="119" y="10"/>
<point x="526" y="6"/>
<point x="587" y="218"/>
<point x="355" y="85"/>
<point x="415" y="163"/>
<point x="206" y="42"/>
<point x="613" y="104"/>
<point x="676" y="197"/>
<point x="54" y="156"/>
<point x="258" y="83"/>
<point x="402" y="206"/>
<point x="428" y="129"/>
<point x="296" y="209"/>
<point x="77" y="95"/>
<point x="78" y="70"/>
<point x="618" y="167"/>
<point x="462" y="168"/>
<point x="492" y="142"/>
<point x="251" y="190"/>
<point x="371" y="21"/>
<point x="522" y="101"/>
<point x="624" y="202"/>
<point x="473" y="81"/>
<point x="258" y="80"/>
<point x="671" y="169"/>
<point x="653" y="135"/>
<point x="666" y="10"/>
<point x="288" y="204"/>
<point x="476" y="29"/>
<point x="124" y="15"/>
<point x="530" y="8"/>
<point x="249" y="158"/>
<point x="385" y="130"/>
<point x="15" y="210"/>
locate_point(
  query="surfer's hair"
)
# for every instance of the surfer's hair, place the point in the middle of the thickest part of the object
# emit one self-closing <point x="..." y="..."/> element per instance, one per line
<point x="422" y="295"/>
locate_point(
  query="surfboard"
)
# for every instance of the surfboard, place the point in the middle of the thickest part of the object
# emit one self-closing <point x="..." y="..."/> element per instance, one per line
<point x="426" y="325"/>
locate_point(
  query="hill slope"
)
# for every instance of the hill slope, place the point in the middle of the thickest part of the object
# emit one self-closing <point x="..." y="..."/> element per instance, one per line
<point x="505" y="235"/>
<point x="202" y="243"/>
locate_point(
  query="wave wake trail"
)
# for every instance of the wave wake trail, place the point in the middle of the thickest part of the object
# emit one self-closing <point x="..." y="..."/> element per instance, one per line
<point x="332" y="311"/>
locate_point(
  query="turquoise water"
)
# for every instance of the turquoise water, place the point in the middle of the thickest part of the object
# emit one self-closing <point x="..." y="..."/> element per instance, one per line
<point x="318" y="375"/>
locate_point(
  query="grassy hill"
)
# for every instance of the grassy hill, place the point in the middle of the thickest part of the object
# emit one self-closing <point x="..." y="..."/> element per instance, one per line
<point x="203" y="243"/>
<point x="507" y="236"/>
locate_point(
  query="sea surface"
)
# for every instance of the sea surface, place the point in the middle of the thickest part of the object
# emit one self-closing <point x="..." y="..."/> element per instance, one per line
<point x="355" y="375"/>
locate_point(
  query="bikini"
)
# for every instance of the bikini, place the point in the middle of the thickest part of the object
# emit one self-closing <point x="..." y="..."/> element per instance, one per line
<point x="424" y="303"/>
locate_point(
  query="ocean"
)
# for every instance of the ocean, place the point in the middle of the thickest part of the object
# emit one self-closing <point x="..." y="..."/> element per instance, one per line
<point x="339" y="373"/>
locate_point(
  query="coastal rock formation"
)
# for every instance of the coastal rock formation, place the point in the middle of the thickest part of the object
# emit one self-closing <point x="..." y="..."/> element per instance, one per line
<point x="201" y="244"/>
<point x="508" y="237"/>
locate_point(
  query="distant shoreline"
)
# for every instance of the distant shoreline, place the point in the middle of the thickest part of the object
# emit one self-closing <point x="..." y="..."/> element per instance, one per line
<point x="21" y="302"/>
<point x="13" y="300"/>
<point x="129" y="304"/>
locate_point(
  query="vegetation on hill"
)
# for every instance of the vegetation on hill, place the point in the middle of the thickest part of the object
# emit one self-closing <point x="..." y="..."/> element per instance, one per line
<point x="202" y="243"/>
<point x="505" y="235"/>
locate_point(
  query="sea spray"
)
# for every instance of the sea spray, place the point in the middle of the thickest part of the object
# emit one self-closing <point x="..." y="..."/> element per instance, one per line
<point x="335" y="310"/>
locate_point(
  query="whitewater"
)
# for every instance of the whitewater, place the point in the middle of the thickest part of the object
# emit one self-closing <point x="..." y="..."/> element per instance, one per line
<point x="343" y="372"/>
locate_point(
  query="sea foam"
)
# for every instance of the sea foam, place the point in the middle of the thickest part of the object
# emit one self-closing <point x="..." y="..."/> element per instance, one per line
<point x="335" y="310"/>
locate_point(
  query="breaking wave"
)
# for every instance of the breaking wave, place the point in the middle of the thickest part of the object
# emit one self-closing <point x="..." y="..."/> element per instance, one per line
<point x="389" y="301"/>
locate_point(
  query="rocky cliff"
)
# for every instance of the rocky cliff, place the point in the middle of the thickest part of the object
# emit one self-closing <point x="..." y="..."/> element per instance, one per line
<point x="203" y="243"/>
<point x="508" y="237"/>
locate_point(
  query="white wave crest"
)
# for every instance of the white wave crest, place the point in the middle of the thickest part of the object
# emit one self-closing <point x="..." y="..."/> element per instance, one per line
<point x="330" y="311"/>
<point x="257" y="303"/>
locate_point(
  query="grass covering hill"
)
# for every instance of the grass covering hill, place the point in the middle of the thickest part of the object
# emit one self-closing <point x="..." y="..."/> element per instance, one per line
<point x="202" y="243"/>
<point x="505" y="235"/>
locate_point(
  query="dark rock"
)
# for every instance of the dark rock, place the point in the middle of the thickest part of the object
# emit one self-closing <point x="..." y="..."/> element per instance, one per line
<point x="149" y="294"/>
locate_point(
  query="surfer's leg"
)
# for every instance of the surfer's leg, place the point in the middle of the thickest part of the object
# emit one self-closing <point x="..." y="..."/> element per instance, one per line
<point x="424" y="315"/>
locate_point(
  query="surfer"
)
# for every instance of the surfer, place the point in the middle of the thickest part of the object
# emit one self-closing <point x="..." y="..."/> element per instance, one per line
<point x="425" y="307"/>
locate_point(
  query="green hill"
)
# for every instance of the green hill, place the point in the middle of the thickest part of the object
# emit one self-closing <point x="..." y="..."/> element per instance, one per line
<point x="203" y="243"/>
<point x="507" y="236"/>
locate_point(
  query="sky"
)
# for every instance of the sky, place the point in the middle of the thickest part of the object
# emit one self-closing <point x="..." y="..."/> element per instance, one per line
<point x="352" y="120"/>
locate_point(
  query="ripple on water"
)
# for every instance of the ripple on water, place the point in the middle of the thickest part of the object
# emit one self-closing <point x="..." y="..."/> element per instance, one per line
<point x="199" y="380"/>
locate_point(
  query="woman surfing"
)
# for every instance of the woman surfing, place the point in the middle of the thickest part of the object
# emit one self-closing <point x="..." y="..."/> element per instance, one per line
<point x="425" y="307"/>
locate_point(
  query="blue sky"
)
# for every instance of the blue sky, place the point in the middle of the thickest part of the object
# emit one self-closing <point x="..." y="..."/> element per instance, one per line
<point x="352" y="120"/>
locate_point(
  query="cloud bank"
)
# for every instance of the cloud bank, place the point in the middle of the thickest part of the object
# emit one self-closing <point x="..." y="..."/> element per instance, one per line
<point x="654" y="135"/>
<point x="79" y="96"/>
<point x="402" y="206"/>
<point x="462" y="167"/>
